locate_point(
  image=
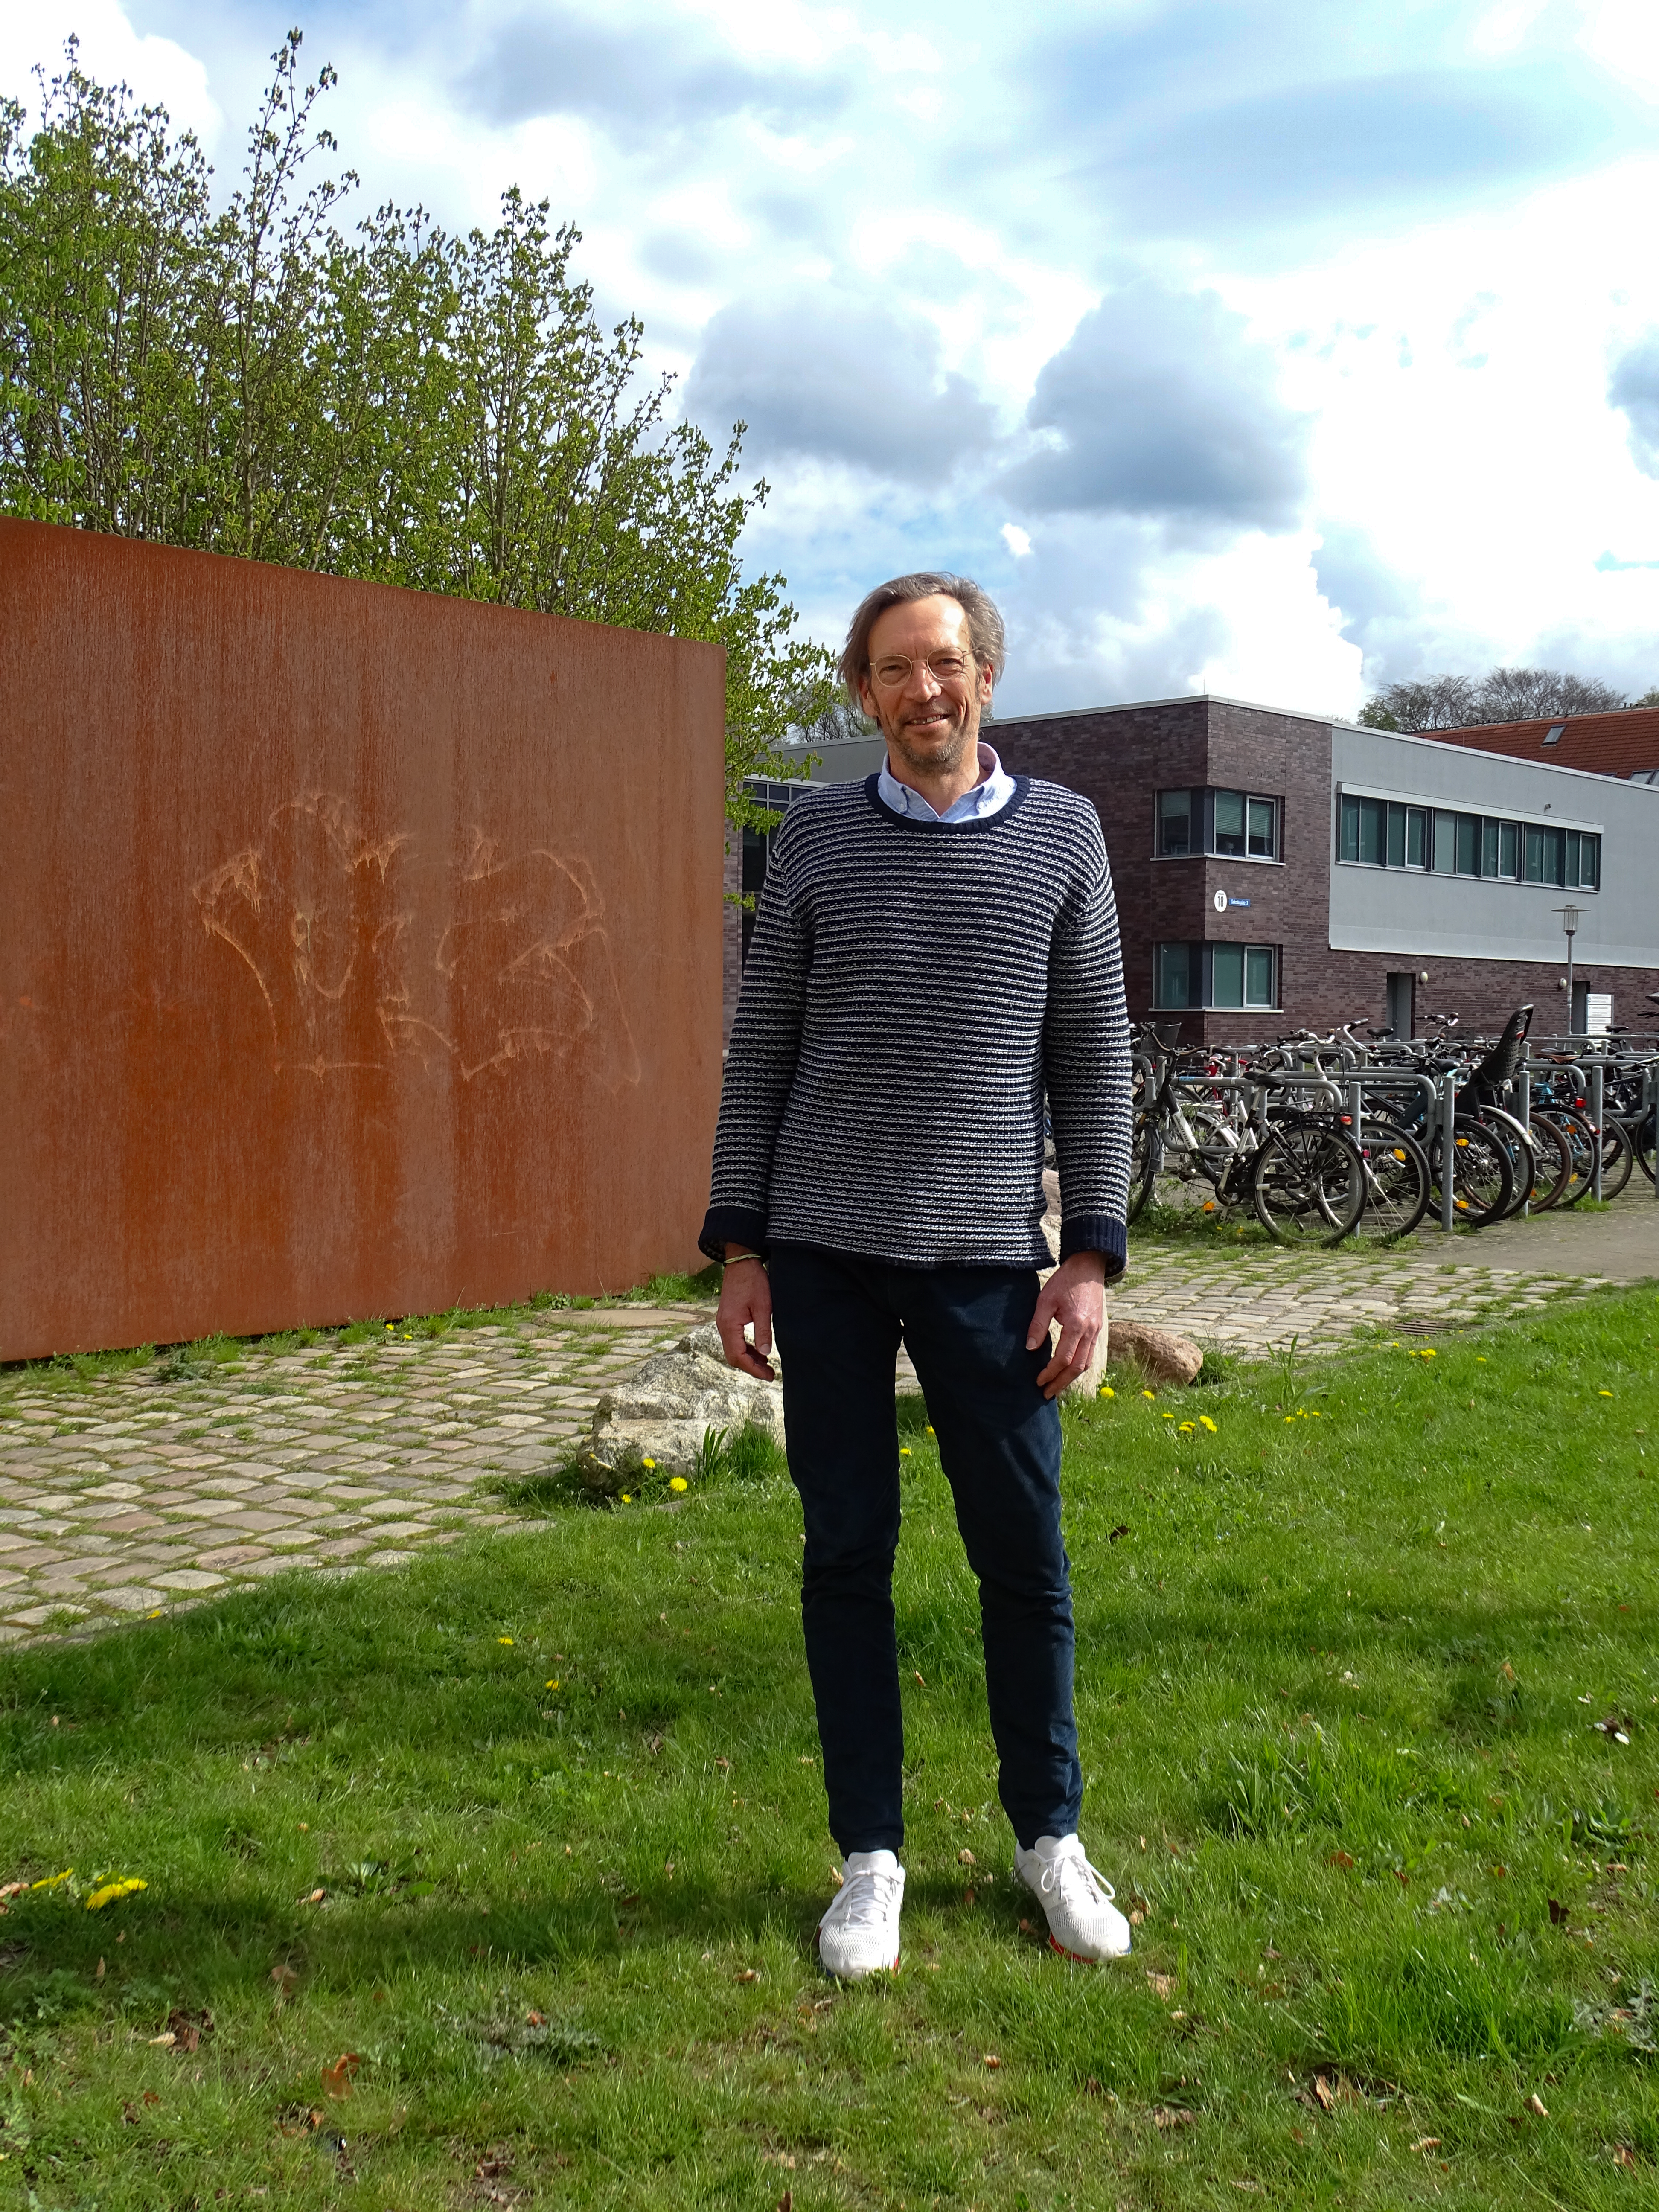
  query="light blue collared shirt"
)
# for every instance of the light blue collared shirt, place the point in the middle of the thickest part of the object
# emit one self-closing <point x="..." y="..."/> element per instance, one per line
<point x="989" y="796"/>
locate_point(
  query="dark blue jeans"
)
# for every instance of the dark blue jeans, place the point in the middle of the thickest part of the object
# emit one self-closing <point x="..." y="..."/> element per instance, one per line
<point x="838" y="1320"/>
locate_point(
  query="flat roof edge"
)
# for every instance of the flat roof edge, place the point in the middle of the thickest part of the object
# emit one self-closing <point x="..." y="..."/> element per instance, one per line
<point x="1182" y="699"/>
<point x="1492" y="752"/>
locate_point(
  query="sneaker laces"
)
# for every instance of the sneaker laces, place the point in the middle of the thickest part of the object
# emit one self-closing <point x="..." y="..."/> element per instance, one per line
<point x="1052" y="1882"/>
<point x="865" y="1900"/>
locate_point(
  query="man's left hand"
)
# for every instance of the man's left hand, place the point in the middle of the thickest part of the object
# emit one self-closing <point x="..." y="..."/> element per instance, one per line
<point x="1075" y="1297"/>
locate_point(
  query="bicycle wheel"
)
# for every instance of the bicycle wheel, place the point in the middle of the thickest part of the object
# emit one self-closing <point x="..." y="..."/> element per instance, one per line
<point x="1481" y="1181"/>
<point x="1581" y="1142"/>
<point x="1618" y="1158"/>
<point x="1641" y="1133"/>
<point x="1397" y="1181"/>
<point x="1523" y="1159"/>
<point x="1186" y="1174"/>
<point x="1147" y="1151"/>
<point x="1554" y="1157"/>
<point x="1308" y="1183"/>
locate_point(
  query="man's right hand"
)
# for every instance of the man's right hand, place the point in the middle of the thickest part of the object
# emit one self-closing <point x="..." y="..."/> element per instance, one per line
<point x="745" y="1300"/>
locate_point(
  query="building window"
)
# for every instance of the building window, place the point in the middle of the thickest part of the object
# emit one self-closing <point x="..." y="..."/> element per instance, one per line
<point x="1178" y="977"/>
<point x="1174" y="822"/>
<point x="1233" y="825"/>
<point x="1378" y="833"/>
<point x="1228" y="977"/>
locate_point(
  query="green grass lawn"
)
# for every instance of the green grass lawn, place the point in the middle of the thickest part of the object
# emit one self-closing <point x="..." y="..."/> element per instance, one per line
<point x="493" y="1879"/>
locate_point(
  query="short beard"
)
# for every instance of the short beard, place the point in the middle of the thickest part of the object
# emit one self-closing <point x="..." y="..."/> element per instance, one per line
<point x="946" y="752"/>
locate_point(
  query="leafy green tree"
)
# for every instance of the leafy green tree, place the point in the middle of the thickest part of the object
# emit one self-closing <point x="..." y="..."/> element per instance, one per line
<point x="1502" y="695"/>
<point x="424" y="409"/>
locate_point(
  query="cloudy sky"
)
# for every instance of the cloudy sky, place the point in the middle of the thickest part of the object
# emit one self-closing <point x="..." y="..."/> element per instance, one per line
<point x="1270" y="347"/>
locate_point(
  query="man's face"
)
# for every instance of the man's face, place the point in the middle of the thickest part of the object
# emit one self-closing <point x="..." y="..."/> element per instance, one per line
<point x="931" y="723"/>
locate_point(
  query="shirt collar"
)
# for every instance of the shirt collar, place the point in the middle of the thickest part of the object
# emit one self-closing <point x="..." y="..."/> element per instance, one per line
<point x="989" y="795"/>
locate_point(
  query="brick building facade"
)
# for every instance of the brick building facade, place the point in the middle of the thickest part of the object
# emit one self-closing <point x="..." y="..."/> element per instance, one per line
<point x="1277" y="871"/>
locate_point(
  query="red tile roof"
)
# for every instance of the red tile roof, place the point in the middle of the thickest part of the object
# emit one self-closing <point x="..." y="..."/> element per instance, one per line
<point x="1625" y="743"/>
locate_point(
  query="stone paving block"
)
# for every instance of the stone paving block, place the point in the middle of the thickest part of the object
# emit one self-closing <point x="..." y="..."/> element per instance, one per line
<point x="134" y="1597"/>
<point x="232" y="1555"/>
<point x="38" y="1616"/>
<point x="190" y="1578"/>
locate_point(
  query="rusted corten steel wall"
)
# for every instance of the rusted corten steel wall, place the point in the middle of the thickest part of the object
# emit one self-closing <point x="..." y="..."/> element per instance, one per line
<point x="360" y="951"/>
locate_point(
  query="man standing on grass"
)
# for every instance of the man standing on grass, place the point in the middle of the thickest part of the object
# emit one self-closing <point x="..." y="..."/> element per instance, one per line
<point x="935" y="949"/>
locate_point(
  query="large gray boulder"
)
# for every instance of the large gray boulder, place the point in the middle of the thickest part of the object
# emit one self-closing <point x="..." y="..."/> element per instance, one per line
<point x="664" y="1409"/>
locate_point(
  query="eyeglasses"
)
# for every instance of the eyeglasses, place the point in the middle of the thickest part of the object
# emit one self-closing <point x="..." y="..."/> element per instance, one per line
<point x="894" y="669"/>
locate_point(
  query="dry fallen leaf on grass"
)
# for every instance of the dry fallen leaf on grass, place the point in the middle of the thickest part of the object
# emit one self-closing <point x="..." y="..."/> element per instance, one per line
<point x="749" y="1974"/>
<point x="185" y="2030"/>
<point x="965" y="1858"/>
<point x="1342" y="1859"/>
<point x="1163" y="1985"/>
<point x="1166" y="2117"/>
<point x="285" y="1976"/>
<point x="338" y="2078"/>
<point x="992" y="2061"/>
<point x="1426" y="2143"/>
<point x="1323" y="2091"/>
<point x="1535" y="2104"/>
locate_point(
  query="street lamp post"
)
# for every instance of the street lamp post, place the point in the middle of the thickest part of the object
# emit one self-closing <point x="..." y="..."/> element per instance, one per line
<point x="1571" y="918"/>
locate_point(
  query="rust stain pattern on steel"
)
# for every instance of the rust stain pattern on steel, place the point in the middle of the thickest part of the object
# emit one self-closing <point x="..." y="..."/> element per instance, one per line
<point x="360" y="949"/>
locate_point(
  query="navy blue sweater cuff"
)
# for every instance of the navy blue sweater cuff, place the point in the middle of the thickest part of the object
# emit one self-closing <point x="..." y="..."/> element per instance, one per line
<point x="731" y="1224"/>
<point x="1094" y="1232"/>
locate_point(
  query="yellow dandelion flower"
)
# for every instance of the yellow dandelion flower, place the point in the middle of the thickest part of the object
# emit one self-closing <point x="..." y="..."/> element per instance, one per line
<point x="1107" y="1391"/>
<point x="1205" y="1422"/>
<point x="1185" y="1430"/>
<point x="1428" y="1352"/>
<point x="51" y="1881"/>
<point x="1604" y="1393"/>
<point x="553" y="1685"/>
<point x="1149" y="1393"/>
<point x="678" y="1482"/>
<point x="647" y="1462"/>
<point x="503" y="1639"/>
<point x="627" y="1498"/>
<point x="118" y="1886"/>
<point x="932" y="1431"/>
<point x="905" y="1451"/>
<point x="1316" y="1415"/>
<point x="1166" y="1417"/>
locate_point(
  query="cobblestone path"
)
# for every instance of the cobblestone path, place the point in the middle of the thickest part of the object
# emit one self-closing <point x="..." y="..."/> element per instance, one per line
<point x="1255" y="1301"/>
<point x="133" y="1491"/>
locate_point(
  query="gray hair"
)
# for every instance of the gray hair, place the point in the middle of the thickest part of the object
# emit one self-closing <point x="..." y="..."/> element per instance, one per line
<point x="984" y="624"/>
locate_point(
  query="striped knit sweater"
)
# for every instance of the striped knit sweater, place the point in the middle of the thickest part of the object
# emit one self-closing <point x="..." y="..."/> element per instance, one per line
<point x="912" y="989"/>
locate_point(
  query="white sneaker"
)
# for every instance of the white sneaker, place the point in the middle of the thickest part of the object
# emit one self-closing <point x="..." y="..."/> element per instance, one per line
<point x="859" y="1933"/>
<point x="1082" y="1920"/>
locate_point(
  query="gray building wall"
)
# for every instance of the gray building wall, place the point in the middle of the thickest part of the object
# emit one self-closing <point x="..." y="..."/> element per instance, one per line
<point x="1412" y="914"/>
